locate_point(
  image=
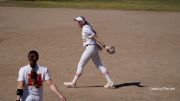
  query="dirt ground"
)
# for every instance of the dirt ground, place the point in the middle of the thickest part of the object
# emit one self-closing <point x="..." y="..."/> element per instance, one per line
<point x="144" y="68"/>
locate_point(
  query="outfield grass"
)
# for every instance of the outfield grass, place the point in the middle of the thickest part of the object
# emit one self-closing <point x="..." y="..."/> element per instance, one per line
<point x="148" y="5"/>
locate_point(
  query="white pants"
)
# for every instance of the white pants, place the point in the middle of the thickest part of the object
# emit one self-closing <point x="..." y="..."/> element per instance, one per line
<point x="91" y="52"/>
<point x="32" y="98"/>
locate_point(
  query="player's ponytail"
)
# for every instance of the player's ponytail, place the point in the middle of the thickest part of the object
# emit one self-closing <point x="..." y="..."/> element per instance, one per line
<point x="34" y="75"/>
<point x="85" y="21"/>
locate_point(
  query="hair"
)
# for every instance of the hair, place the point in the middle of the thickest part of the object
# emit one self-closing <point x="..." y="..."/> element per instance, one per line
<point x="85" y="21"/>
<point x="33" y="71"/>
<point x="34" y="52"/>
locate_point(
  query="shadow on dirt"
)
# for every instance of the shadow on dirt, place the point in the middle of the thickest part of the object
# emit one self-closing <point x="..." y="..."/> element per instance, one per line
<point x="137" y="84"/>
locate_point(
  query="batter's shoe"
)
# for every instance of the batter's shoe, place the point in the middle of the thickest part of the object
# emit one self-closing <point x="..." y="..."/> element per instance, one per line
<point x="109" y="85"/>
<point x="70" y="84"/>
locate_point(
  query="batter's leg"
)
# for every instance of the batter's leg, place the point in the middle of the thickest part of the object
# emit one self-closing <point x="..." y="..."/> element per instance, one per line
<point x="88" y="53"/>
<point x="97" y="61"/>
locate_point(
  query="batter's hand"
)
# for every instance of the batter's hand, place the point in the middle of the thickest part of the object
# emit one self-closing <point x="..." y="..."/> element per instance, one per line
<point x="63" y="98"/>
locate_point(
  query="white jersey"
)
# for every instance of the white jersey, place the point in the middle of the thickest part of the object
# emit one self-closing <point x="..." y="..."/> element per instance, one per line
<point x="29" y="89"/>
<point x="87" y="34"/>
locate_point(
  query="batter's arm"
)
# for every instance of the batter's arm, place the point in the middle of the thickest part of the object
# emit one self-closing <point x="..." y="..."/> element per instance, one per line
<point x="53" y="87"/>
<point x="20" y="87"/>
<point x="96" y="37"/>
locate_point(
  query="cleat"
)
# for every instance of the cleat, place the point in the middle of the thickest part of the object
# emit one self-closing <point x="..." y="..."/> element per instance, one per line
<point x="109" y="85"/>
<point x="70" y="84"/>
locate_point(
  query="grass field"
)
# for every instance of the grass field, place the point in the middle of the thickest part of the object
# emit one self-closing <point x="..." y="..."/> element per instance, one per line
<point x="148" y="5"/>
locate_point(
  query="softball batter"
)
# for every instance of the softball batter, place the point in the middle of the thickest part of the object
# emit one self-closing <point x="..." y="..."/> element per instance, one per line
<point x="90" y="39"/>
<point x="30" y="81"/>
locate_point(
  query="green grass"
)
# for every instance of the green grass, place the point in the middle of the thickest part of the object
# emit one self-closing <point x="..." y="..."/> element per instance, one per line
<point x="148" y="5"/>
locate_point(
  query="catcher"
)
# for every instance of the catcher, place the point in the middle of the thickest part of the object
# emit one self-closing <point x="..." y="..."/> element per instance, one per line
<point x="92" y="44"/>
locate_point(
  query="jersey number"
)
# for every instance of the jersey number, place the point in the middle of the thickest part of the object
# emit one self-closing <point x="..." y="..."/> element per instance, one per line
<point x="30" y="81"/>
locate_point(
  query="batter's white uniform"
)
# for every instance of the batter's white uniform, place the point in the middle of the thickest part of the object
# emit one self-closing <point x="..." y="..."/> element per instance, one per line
<point x="91" y="52"/>
<point x="32" y="93"/>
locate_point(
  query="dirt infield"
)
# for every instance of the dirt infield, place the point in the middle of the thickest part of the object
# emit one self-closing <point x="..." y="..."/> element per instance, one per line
<point x="147" y="44"/>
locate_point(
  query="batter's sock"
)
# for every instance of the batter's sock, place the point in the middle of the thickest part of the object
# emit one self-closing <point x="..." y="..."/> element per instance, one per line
<point x="108" y="77"/>
<point x="76" y="77"/>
